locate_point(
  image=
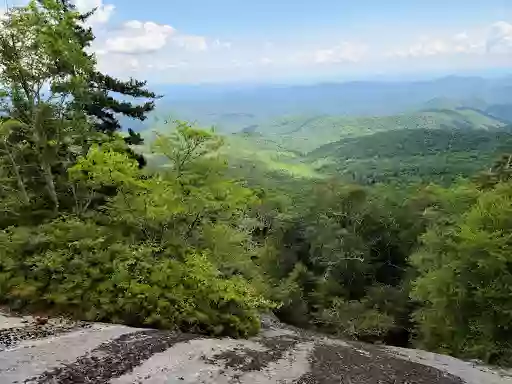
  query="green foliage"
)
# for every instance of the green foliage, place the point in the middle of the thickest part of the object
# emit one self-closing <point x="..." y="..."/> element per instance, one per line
<point x="354" y="319"/>
<point x="334" y="253"/>
<point x="465" y="281"/>
<point x="34" y="41"/>
<point x="500" y="171"/>
<point x="95" y="97"/>
<point x="84" y="229"/>
<point x="436" y="145"/>
<point x="186" y="144"/>
<point x="306" y="133"/>
<point x="409" y="155"/>
<point x="253" y="156"/>
<point x="208" y="236"/>
<point x="166" y="250"/>
<point x="95" y="273"/>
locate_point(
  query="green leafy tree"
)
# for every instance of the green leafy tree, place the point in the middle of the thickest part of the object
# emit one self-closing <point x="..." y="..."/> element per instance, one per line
<point x="347" y="246"/>
<point x="185" y="147"/>
<point x="500" y="171"/>
<point x="32" y="40"/>
<point x="11" y="152"/>
<point x="465" y="280"/>
<point x="163" y="250"/>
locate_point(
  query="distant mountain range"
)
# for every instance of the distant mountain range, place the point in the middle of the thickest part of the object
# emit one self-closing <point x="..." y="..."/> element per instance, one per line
<point x="434" y="145"/>
<point x="306" y="133"/>
<point x="361" y="131"/>
<point x="232" y="108"/>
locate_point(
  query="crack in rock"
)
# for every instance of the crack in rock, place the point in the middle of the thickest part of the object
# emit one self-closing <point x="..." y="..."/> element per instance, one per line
<point x="113" y="358"/>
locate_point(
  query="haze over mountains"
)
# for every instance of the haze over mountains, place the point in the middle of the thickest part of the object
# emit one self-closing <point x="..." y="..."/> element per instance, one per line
<point x="230" y="107"/>
<point x="365" y="131"/>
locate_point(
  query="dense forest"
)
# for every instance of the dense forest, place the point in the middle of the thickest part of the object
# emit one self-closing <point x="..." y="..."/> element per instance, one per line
<point x="179" y="229"/>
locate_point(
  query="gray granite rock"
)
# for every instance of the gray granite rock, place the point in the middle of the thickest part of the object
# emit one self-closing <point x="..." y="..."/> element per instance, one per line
<point x="66" y="352"/>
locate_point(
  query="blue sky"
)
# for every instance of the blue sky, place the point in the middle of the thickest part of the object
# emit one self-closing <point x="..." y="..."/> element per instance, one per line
<point x="246" y="18"/>
<point x="194" y="41"/>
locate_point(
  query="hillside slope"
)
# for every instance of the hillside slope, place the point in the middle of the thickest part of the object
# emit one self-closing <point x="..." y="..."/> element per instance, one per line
<point x="257" y="152"/>
<point x="422" y="154"/>
<point x="308" y="133"/>
<point x="428" y="145"/>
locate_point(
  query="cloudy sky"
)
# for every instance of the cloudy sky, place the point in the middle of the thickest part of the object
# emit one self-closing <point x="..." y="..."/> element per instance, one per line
<point x="194" y="41"/>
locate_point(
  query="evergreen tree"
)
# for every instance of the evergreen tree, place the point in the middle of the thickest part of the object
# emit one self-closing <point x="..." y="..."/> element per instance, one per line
<point x="101" y="105"/>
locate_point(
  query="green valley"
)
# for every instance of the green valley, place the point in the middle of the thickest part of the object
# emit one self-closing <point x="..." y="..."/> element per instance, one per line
<point x="439" y="145"/>
<point x="308" y="133"/>
<point x="436" y="145"/>
<point x="349" y="210"/>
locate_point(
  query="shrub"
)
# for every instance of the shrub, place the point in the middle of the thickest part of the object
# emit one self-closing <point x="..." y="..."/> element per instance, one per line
<point x="356" y="320"/>
<point x="89" y="271"/>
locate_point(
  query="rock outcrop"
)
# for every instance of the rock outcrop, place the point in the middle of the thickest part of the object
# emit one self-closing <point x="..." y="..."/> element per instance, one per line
<point x="58" y="351"/>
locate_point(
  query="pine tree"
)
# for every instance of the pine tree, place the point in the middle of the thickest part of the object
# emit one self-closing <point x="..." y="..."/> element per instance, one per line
<point x="101" y="105"/>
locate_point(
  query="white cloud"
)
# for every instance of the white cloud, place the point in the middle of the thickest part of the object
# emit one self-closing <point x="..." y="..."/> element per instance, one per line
<point x="191" y="42"/>
<point x="496" y="39"/>
<point x="162" y="65"/>
<point x="222" y="44"/>
<point x="136" y="37"/>
<point x="499" y="38"/>
<point x="427" y="46"/>
<point x="133" y="63"/>
<point x="463" y="43"/>
<point x="345" y="52"/>
<point x="185" y="56"/>
<point x="461" y="37"/>
<point x="103" y="11"/>
<point x="423" y="48"/>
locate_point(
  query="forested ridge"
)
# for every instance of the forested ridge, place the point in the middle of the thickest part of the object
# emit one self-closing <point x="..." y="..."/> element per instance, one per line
<point x="181" y="238"/>
<point x="435" y="146"/>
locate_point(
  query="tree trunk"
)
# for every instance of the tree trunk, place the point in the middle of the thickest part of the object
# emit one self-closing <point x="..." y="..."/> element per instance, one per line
<point x="50" y="185"/>
<point x="19" y="180"/>
<point x="42" y="115"/>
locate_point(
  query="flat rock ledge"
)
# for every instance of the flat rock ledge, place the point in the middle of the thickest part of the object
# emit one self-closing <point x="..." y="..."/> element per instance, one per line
<point x="54" y="351"/>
